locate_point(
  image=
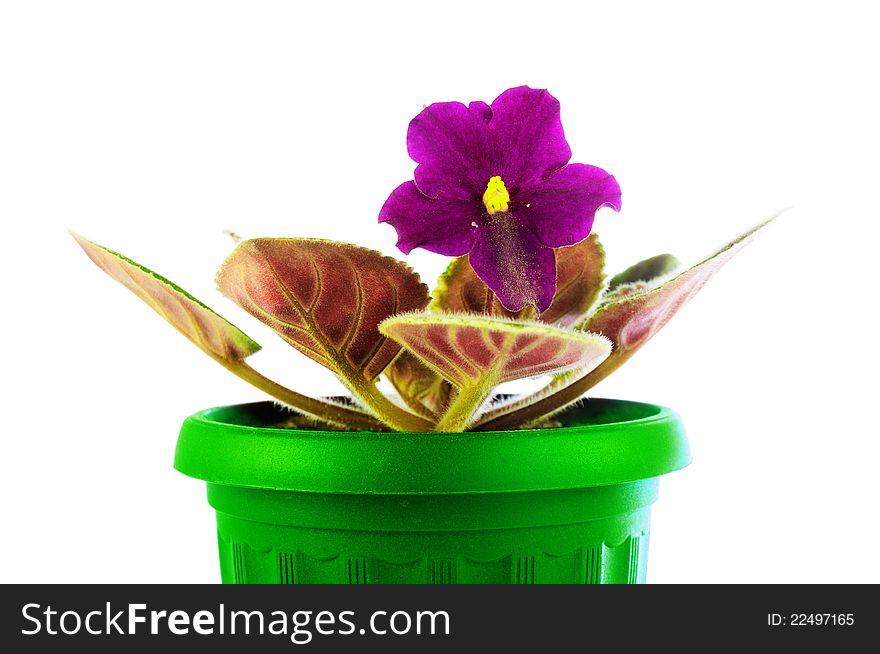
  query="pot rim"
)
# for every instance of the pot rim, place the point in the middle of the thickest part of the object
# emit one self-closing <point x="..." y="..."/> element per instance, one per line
<point x="604" y="442"/>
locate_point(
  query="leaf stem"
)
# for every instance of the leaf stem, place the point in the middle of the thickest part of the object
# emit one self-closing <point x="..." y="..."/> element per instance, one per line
<point x="329" y="412"/>
<point x="417" y="407"/>
<point x="516" y="403"/>
<point x="461" y="411"/>
<point x="388" y="412"/>
<point x="545" y="406"/>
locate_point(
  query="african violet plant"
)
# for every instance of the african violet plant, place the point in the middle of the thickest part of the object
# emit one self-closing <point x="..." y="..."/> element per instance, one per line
<point x="526" y="294"/>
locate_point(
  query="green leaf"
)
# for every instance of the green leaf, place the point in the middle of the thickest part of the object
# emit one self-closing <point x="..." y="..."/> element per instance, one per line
<point x="215" y="335"/>
<point x="579" y="281"/>
<point x="476" y="353"/>
<point x="326" y="299"/>
<point x="629" y="322"/>
<point x="623" y="291"/>
<point x="645" y="271"/>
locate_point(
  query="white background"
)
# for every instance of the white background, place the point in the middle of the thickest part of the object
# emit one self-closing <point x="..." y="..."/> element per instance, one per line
<point x="151" y="127"/>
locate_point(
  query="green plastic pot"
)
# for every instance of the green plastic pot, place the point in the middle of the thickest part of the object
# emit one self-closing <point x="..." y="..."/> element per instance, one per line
<point x="566" y="505"/>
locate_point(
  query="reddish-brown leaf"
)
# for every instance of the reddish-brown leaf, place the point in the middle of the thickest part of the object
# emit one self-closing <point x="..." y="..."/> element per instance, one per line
<point x="634" y="318"/>
<point x="475" y="351"/>
<point x="211" y="332"/>
<point x="324" y="298"/>
<point x="629" y="322"/>
<point x="415" y="382"/>
<point x="579" y="281"/>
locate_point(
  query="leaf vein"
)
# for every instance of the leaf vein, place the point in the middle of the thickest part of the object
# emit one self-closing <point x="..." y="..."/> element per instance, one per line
<point x="358" y="311"/>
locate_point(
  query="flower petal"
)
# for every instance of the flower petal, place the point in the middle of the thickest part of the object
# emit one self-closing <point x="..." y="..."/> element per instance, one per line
<point x="560" y="210"/>
<point x="442" y="226"/>
<point x="511" y="261"/>
<point x="527" y="136"/>
<point x="450" y="142"/>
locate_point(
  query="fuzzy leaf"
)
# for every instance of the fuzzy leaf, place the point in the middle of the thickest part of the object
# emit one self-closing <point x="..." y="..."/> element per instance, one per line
<point x="215" y="335"/>
<point x="579" y="281"/>
<point x="631" y="321"/>
<point x="324" y="298"/>
<point x="476" y="351"/>
<point x="415" y="382"/>
<point x="645" y="271"/>
<point x="623" y="291"/>
<point x="580" y="278"/>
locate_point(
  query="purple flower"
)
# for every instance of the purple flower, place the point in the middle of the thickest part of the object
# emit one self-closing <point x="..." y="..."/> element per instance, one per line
<point x="495" y="182"/>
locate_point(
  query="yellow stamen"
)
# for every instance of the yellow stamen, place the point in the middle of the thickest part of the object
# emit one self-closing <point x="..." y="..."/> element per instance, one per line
<point x="496" y="198"/>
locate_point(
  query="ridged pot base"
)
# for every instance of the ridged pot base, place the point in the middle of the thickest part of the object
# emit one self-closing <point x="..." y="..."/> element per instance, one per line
<point x="540" y="544"/>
